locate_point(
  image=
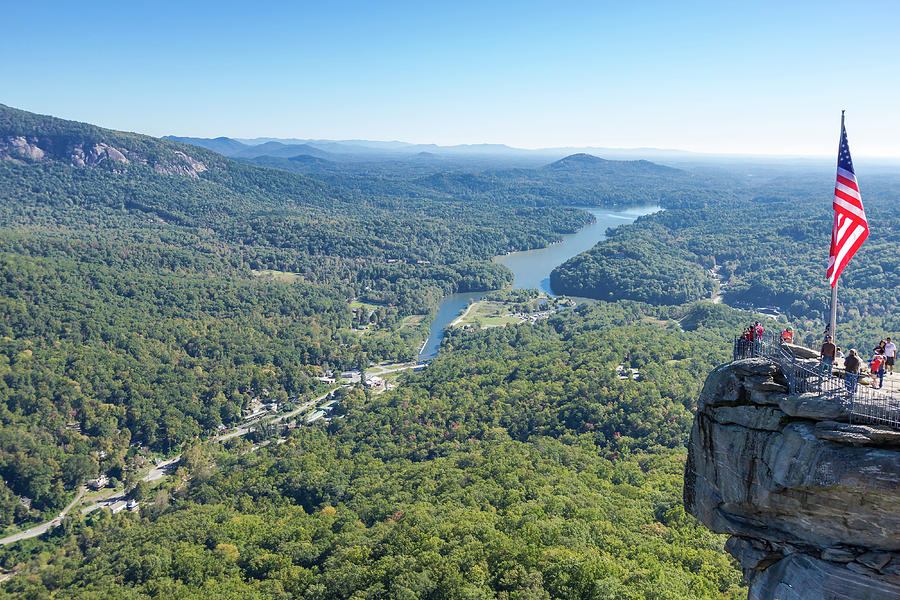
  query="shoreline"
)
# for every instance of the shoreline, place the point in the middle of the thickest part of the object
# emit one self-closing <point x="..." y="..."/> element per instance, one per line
<point x="464" y="313"/>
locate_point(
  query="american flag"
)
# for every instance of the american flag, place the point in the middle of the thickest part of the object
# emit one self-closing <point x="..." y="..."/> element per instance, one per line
<point x="850" y="228"/>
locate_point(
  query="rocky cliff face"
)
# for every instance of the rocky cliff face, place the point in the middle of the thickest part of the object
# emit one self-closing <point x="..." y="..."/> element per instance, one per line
<point x="79" y="153"/>
<point x="812" y="502"/>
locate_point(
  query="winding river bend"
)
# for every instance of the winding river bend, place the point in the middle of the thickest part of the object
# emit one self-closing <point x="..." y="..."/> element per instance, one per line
<point x="531" y="268"/>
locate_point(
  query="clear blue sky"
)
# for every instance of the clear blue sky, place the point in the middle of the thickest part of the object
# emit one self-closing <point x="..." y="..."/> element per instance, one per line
<point x="739" y="77"/>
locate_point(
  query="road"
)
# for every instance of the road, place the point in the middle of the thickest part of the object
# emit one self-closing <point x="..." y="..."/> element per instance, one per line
<point x="157" y="472"/>
<point x="461" y="317"/>
<point x="40" y="529"/>
<point x="393" y="368"/>
<point x="245" y="429"/>
<point x="403" y="368"/>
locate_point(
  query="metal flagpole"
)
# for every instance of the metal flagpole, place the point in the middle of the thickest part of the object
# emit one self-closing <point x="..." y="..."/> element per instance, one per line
<point x="833" y="321"/>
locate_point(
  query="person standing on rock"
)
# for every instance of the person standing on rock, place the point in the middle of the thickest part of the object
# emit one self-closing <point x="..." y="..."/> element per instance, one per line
<point x="787" y="336"/>
<point x="748" y="337"/>
<point x="757" y="332"/>
<point x="827" y="353"/>
<point x="890" y="353"/>
<point x="851" y="371"/>
<point x="877" y="368"/>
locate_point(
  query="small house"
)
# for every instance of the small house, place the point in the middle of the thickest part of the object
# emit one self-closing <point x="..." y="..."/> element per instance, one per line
<point x="98" y="483"/>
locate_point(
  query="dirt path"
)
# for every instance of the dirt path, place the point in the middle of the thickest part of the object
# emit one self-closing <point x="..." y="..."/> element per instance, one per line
<point x="462" y="316"/>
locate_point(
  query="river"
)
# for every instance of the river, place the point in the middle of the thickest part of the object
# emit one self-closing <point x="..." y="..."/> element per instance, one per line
<point x="531" y="268"/>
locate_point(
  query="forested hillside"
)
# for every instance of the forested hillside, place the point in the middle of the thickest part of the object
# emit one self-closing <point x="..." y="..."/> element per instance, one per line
<point x="517" y="466"/>
<point x="152" y="289"/>
<point x="766" y="251"/>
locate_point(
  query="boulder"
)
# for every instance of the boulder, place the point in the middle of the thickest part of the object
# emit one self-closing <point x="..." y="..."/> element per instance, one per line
<point x="802" y="351"/>
<point x="815" y="406"/>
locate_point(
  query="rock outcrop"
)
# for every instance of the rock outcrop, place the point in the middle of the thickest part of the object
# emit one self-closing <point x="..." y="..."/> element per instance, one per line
<point x="811" y="501"/>
<point x="77" y="153"/>
<point x="27" y="138"/>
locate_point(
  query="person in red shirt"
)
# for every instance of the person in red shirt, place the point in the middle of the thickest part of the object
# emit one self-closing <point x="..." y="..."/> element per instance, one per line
<point x="787" y="336"/>
<point x="876" y="367"/>
<point x="746" y="342"/>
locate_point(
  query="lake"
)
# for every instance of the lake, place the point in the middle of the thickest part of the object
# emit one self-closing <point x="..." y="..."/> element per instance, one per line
<point x="531" y="268"/>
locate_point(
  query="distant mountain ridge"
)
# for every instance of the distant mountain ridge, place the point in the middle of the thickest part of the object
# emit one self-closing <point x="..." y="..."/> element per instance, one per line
<point x="576" y="179"/>
<point x="223" y="145"/>
<point x="584" y="161"/>
<point x="742" y="165"/>
<point x="280" y="150"/>
<point x="322" y="177"/>
<point x="317" y="176"/>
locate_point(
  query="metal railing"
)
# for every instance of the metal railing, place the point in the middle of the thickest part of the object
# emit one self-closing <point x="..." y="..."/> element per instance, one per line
<point x="866" y="404"/>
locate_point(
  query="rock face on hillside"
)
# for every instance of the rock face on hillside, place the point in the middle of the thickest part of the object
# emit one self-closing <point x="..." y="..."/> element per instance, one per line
<point x="812" y="502"/>
<point x="76" y="153"/>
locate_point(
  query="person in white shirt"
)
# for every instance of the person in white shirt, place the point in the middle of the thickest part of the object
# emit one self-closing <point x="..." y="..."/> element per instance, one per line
<point x="890" y="353"/>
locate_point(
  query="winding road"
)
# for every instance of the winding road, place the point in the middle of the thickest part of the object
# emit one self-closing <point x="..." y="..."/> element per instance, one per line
<point x="40" y="529"/>
<point x="157" y="472"/>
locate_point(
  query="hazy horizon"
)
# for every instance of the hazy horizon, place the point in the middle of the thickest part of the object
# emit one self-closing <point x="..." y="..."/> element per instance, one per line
<point x="263" y="139"/>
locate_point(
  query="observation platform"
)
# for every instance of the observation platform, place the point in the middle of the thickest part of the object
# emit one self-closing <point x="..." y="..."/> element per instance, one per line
<point x="803" y="372"/>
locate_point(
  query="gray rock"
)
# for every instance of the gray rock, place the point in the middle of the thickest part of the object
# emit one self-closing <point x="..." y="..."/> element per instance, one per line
<point x="803" y="577"/>
<point x="751" y="366"/>
<point x="871" y="435"/>
<point x="802" y="351"/>
<point x="875" y="560"/>
<point x="763" y="397"/>
<point x="753" y="417"/>
<point x="22" y="146"/>
<point x="754" y="555"/>
<point x="815" y="407"/>
<point x="115" y="155"/>
<point x="838" y="555"/>
<point x="807" y="497"/>
<point x="861" y="569"/>
<point x="893" y="567"/>
<point x="746" y="381"/>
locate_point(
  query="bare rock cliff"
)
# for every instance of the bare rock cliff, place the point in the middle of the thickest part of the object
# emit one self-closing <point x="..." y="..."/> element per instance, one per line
<point x="79" y="153"/>
<point x="812" y="503"/>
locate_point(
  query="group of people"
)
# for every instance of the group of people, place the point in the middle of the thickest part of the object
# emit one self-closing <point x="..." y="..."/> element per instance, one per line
<point x="883" y="357"/>
<point x="881" y="363"/>
<point x="750" y="340"/>
<point x="753" y="332"/>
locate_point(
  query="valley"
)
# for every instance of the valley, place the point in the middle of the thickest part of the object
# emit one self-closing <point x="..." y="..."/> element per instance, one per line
<point x="164" y="302"/>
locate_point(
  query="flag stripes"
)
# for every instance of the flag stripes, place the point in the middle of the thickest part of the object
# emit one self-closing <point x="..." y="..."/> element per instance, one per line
<point x="850" y="228"/>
